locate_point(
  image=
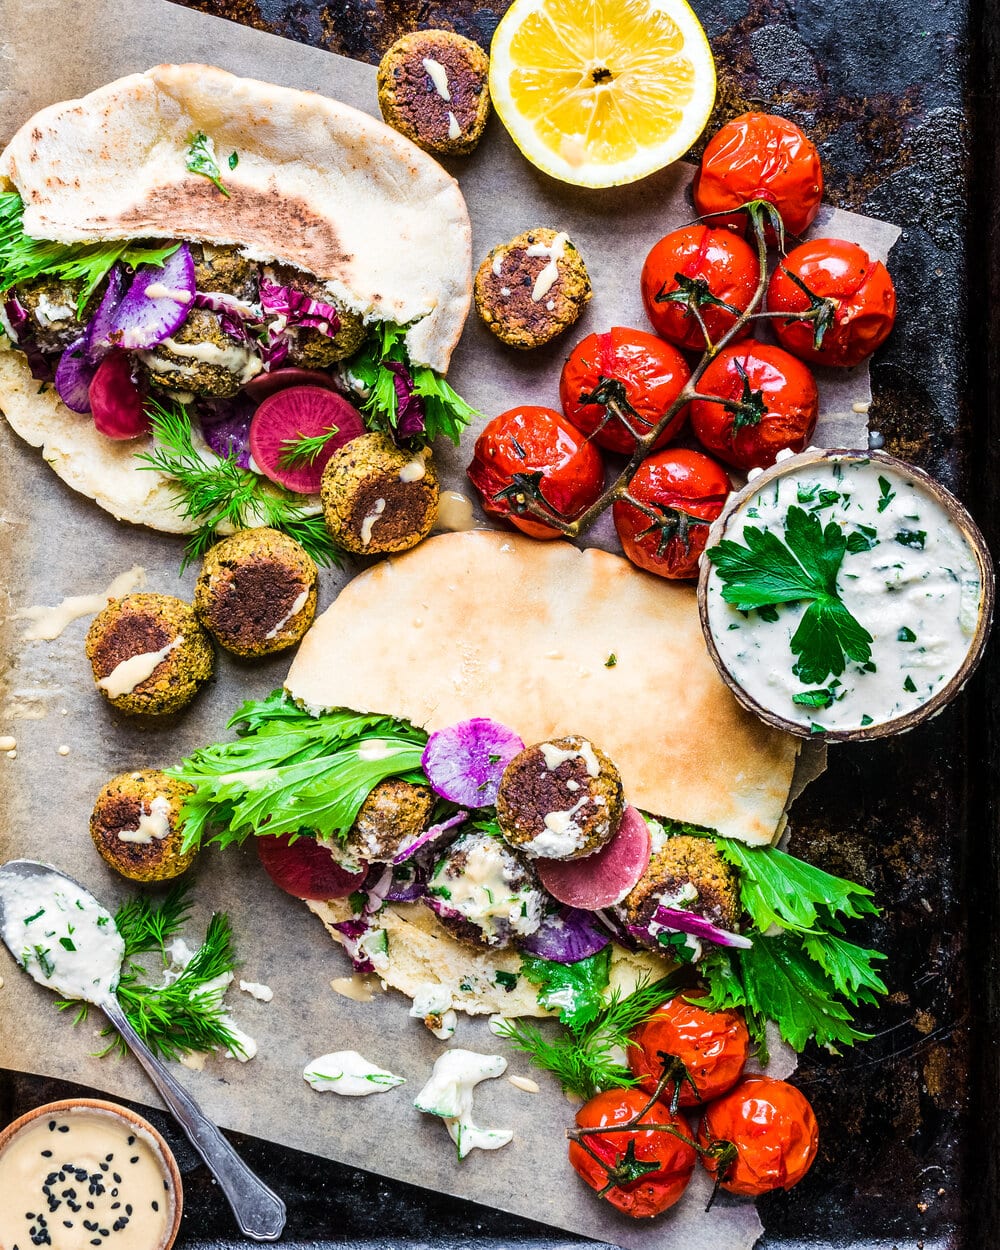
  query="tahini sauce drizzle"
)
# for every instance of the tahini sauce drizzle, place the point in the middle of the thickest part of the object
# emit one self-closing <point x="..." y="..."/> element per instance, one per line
<point x="48" y="623"/>
<point x="921" y="579"/>
<point x="124" y="677"/>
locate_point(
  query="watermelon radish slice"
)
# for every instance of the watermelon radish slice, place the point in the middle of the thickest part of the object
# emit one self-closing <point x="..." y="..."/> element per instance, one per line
<point x="604" y="878"/>
<point x="300" y="412"/>
<point x="265" y="384"/>
<point x="115" y="400"/>
<point x="305" y="869"/>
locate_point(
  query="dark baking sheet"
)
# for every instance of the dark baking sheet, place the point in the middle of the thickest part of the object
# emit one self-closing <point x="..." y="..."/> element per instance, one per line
<point x="901" y="97"/>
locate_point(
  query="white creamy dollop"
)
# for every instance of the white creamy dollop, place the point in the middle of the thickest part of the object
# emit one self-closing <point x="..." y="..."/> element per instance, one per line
<point x="449" y="1094"/>
<point x="349" y="1073"/>
<point x="154" y="823"/>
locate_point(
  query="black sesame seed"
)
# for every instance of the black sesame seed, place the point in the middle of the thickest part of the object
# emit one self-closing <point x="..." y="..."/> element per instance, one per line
<point x="29" y="1215"/>
<point x="131" y="1140"/>
<point x="52" y="1125"/>
<point x="67" y="1223"/>
<point x="115" y="1206"/>
<point x="134" y="1159"/>
<point x="104" y="1232"/>
<point x="63" y="1128"/>
<point x="155" y="1206"/>
<point x="116" y="1178"/>
<point x="104" y="1167"/>
<point x="46" y="1154"/>
<point x="114" y="1193"/>
<point x="95" y="1241"/>
<point x="166" y="1186"/>
<point x="128" y="1208"/>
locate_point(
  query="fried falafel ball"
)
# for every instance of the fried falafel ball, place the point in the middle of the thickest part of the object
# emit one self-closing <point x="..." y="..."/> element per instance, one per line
<point x="377" y="498"/>
<point x="256" y="593"/>
<point x="688" y="873"/>
<point x="483" y="893"/>
<point x="531" y="289"/>
<point x="308" y="347"/>
<point x="202" y="358"/>
<point x="136" y="825"/>
<point x="148" y="653"/>
<point x="433" y="87"/>
<point x="224" y="269"/>
<point x="393" y="812"/>
<point x="562" y="799"/>
<point x="51" y="305"/>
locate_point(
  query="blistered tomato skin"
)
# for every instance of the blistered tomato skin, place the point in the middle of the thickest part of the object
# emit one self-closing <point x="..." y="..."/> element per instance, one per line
<point x="673" y="1151"/>
<point x="712" y="1045"/>
<point x="778" y="401"/>
<point x="715" y="259"/>
<point x="530" y="440"/>
<point x="683" y="489"/>
<point x="772" y="1130"/>
<point x="760" y="156"/>
<point x="653" y="373"/>
<point x="861" y="308"/>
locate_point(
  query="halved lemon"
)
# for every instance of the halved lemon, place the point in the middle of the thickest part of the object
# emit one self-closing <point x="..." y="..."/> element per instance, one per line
<point x="601" y="92"/>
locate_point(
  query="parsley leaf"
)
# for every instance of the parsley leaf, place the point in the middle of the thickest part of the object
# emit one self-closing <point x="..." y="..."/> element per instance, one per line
<point x="575" y="990"/>
<point x="201" y="159"/>
<point x="886" y="494"/>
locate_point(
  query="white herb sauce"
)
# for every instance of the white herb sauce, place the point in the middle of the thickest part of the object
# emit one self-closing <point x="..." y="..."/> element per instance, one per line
<point x="61" y="936"/>
<point x="448" y="1094"/>
<point x="917" y="591"/>
<point x="349" y="1073"/>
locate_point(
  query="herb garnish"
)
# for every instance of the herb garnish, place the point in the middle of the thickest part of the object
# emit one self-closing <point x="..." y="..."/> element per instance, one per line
<point x="201" y="159"/>
<point x="912" y="538"/>
<point x="906" y="634"/>
<point x="886" y="494"/>
<point x="304" y="449"/>
<point x="215" y="493"/>
<point x="802" y="569"/>
<point x="575" y="990"/>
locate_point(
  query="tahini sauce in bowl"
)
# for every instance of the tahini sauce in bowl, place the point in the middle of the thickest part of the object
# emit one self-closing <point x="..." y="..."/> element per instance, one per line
<point x="917" y="576"/>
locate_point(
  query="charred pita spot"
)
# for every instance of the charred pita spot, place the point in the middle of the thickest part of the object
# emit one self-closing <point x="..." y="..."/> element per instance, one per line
<point x="36" y="134"/>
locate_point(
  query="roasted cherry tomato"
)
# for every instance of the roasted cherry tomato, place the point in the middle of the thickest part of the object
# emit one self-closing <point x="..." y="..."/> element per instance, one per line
<point x="643" y="1172"/>
<point x="769" y="401"/>
<point x="760" y="157"/>
<point x="701" y="267"/>
<point x="637" y="372"/>
<point x="760" y="1136"/>
<point x="684" y="491"/>
<point x="851" y="297"/>
<point x="706" y="1051"/>
<point x="531" y="451"/>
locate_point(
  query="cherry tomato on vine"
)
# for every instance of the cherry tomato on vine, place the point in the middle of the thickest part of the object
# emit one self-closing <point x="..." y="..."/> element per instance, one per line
<point x="643" y="1172"/>
<point x="851" y="296"/>
<point x="683" y="492"/>
<point x="760" y="156"/>
<point x="637" y="372"/>
<point x="769" y="402"/>
<point x="762" y="1135"/>
<point x="706" y="1049"/>
<point x="535" y="451"/>
<point x="703" y="267"/>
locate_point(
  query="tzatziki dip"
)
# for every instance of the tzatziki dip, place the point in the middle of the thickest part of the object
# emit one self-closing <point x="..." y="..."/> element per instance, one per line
<point x="843" y="595"/>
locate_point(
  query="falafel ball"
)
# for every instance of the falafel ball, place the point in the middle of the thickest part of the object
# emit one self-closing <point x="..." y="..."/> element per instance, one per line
<point x="149" y="654"/>
<point x="51" y="305"/>
<point x="202" y="358"/>
<point x="393" y="812"/>
<point x="256" y="593"/>
<point x="561" y="799"/>
<point x="433" y="87"/>
<point x="225" y="269"/>
<point x="483" y="893"/>
<point x="687" y="872"/>
<point x="377" y="498"/>
<point x="308" y="347"/>
<point x="531" y="289"/>
<point x="136" y="825"/>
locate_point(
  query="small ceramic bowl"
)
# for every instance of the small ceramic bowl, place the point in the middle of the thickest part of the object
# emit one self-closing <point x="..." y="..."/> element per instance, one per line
<point x="131" y="1122"/>
<point x="734" y="515"/>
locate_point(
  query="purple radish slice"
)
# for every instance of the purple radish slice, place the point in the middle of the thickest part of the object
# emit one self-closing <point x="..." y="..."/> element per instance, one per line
<point x="225" y="424"/>
<point x="157" y="303"/>
<point x="115" y="401"/>
<point x="429" y="836"/>
<point x="74" y="374"/>
<point x="301" y="412"/>
<point x="565" y="936"/>
<point x="464" y="762"/>
<point x="606" y="877"/>
<point x="102" y="333"/>
<point x="265" y="384"/>
<point x="679" y="921"/>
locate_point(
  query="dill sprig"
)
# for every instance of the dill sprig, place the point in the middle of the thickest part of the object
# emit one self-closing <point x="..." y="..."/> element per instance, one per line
<point x="187" y="1014"/>
<point x="214" y="491"/>
<point x="304" y="449"/>
<point x="589" y="1061"/>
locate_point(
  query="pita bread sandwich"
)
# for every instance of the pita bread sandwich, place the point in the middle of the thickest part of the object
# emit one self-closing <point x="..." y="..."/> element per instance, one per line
<point x="508" y="778"/>
<point x="180" y="245"/>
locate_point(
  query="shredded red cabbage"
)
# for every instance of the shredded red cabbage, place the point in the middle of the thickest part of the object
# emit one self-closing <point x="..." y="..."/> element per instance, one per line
<point x="19" y="320"/>
<point x="298" y="308"/>
<point x="428" y="837"/>
<point x="354" y="931"/>
<point x="565" y="936"/>
<point x="411" y="414"/>
<point x="225" y="424"/>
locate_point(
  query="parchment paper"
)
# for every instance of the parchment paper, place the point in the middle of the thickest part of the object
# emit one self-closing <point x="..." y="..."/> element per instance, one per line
<point x="59" y="544"/>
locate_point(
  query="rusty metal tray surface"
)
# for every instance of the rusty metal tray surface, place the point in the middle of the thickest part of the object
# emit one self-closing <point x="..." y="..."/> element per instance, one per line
<point x="902" y="99"/>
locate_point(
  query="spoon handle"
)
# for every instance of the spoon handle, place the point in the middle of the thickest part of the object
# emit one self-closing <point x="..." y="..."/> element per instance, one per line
<point x="259" y="1212"/>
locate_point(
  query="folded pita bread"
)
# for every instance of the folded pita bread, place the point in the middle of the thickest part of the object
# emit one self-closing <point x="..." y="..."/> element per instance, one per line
<point x="317" y="184"/>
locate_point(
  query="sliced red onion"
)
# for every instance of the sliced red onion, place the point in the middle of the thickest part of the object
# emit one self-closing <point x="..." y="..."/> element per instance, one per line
<point x="354" y="931"/>
<point x="464" y="762"/>
<point x="410" y="411"/>
<point x="422" y="840"/>
<point x="408" y="883"/>
<point x="157" y="302"/>
<point x="298" y="309"/>
<point x="20" y="321"/>
<point x="103" y="333"/>
<point x="565" y="936"/>
<point x="616" y="926"/>
<point x="115" y="400"/>
<point x="74" y="374"/>
<point x="377" y="887"/>
<point x="225" y="424"/>
<point x="689" y="922"/>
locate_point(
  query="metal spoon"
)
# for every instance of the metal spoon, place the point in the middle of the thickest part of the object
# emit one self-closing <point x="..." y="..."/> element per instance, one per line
<point x="259" y="1212"/>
